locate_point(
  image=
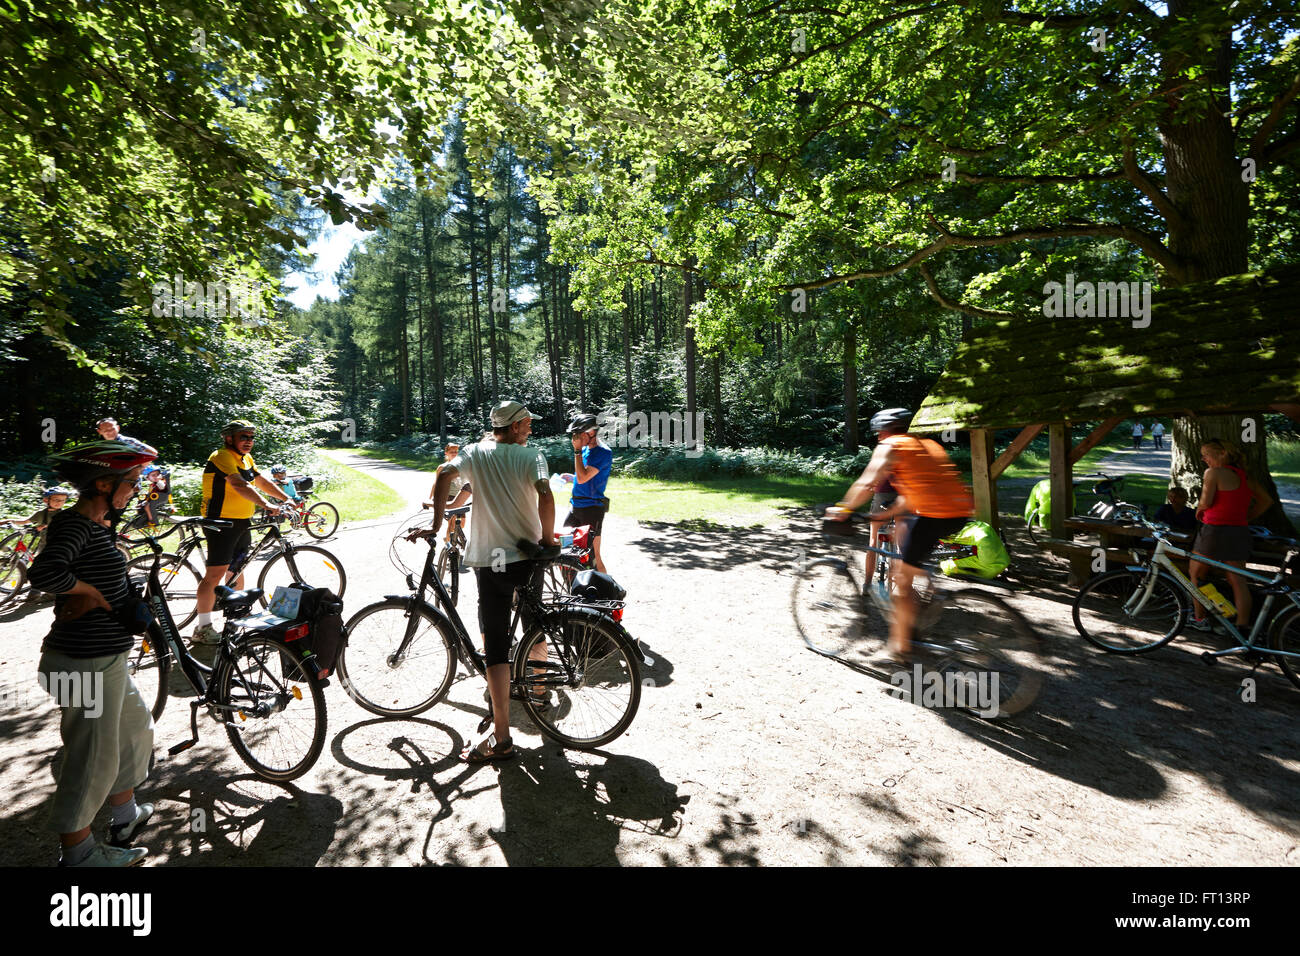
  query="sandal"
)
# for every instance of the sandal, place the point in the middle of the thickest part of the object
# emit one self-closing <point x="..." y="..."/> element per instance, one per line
<point x="483" y="753"/>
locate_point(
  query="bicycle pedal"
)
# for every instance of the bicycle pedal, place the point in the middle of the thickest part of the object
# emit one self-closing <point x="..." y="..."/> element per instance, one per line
<point x="181" y="747"/>
<point x="1209" y="658"/>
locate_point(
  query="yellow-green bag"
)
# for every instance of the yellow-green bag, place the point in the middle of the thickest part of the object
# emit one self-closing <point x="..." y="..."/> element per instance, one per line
<point x="990" y="558"/>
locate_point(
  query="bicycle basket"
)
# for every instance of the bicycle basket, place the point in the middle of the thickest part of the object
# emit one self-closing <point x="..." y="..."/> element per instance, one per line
<point x="408" y="556"/>
<point x="305" y="483"/>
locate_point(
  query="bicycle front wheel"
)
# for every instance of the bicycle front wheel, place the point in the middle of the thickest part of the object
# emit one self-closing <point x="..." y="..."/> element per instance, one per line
<point x="13" y="577"/>
<point x="1284" y="635"/>
<point x="149" y="668"/>
<point x="449" y="573"/>
<point x="991" y="659"/>
<point x="180" y="583"/>
<point x="585" y="686"/>
<point x="1103" y="615"/>
<point x="321" y="520"/>
<point x="393" y="675"/>
<point x="312" y="566"/>
<point x="277" y="724"/>
<point x="831" y="614"/>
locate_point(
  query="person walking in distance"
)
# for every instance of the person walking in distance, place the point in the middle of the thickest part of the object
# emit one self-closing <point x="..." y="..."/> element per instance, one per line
<point x="592" y="462"/>
<point x="512" y="502"/>
<point x="1158" y="435"/>
<point x="929" y="488"/>
<point x="233" y="490"/>
<point x="1137" y="436"/>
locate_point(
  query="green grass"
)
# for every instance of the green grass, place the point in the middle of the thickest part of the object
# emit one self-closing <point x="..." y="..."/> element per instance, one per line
<point x="408" y="459"/>
<point x="358" y="496"/>
<point x="731" y="501"/>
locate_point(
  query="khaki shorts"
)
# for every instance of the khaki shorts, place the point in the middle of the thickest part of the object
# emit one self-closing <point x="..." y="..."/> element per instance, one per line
<point x="107" y="732"/>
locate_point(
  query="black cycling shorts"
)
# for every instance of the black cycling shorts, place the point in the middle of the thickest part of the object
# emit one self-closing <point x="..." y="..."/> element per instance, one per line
<point x="225" y="546"/>
<point x="496" y="592"/>
<point x="593" y="515"/>
<point x="924" y="533"/>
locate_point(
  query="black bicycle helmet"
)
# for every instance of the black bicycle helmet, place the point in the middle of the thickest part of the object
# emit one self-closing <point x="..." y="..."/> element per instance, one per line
<point x="582" y="423"/>
<point x="895" y="419"/>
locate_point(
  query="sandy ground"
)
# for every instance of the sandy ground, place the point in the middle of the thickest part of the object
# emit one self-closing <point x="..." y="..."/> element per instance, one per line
<point x="748" y="749"/>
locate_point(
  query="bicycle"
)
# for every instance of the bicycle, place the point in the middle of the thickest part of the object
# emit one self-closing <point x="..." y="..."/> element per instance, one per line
<point x="401" y="656"/>
<point x="1138" y="608"/>
<point x="1106" y="491"/>
<point x="256" y="677"/>
<point x="450" y="559"/>
<point x="16" y="552"/>
<point x="962" y="636"/>
<point x="320" y="520"/>
<point x="286" y="562"/>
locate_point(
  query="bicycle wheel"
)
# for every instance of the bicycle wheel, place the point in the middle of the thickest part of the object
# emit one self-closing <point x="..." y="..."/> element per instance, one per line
<point x="321" y="520"/>
<point x="1100" y="615"/>
<point x="149" y="670"/>
<point x="831" y="614"/>
<point x="1284" y="635"/>
<point x="448" y="571"/>
<point x="990" y="660"/>
<point x="588" y="689"/>
<point x="1037" y="533"/>
<point x="315" y="566"/>
<point x="383" y="683"/>
<point x="277" y="725"/>
<point x="180" y="583"/>
<point x="13" y="577"/>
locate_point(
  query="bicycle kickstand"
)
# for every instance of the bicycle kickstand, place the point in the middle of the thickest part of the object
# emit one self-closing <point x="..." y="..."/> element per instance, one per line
<point x="486" y="722"/>
<point x="194" y="730"/>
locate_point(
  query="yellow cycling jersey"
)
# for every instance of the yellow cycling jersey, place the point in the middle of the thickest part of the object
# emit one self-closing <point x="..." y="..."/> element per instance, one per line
<point x="219" y="499"/>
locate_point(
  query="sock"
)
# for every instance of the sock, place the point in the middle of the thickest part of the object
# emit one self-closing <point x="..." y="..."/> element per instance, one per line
<point x="205" y="618"/>
<point x="124" y="814"/>
<point x="73" y="855"/>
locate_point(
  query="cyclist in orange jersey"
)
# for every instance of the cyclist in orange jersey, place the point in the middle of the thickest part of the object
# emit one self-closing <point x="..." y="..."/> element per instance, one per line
<point x="929" y="489"/>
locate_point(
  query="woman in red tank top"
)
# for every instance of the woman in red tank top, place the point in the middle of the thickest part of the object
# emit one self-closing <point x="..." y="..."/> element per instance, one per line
<point x="1229" y="500"/>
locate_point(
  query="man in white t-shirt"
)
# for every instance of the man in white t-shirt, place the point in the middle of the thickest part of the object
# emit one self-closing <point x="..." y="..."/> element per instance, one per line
<point x="1137" y="435"/>
<point x="512" y="501"/>
<point x="1158" y="435"/>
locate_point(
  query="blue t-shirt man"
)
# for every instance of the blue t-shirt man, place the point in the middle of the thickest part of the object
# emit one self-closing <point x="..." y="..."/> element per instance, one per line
<point x="587" y="494"/>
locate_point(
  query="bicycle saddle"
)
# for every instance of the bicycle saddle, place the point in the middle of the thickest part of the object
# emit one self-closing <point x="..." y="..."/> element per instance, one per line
<point x="230" y="598"/>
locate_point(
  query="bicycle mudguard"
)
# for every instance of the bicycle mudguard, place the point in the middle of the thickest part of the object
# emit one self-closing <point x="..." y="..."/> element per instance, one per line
<point x="616" y="625"/>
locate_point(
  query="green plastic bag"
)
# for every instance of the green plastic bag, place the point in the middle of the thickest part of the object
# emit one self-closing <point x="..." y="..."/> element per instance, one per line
<point x="990" y="558"/>
<point x="1040" y="501"/>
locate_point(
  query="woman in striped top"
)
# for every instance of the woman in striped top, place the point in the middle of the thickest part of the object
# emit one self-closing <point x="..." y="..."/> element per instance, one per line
<point x="107" y="729"/>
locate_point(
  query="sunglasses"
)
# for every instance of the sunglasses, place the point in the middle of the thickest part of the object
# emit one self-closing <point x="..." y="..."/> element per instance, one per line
<point x="245" y="437"/>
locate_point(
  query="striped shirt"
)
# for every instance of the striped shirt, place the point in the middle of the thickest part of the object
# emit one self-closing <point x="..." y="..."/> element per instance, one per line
<point x="78" y="549"/>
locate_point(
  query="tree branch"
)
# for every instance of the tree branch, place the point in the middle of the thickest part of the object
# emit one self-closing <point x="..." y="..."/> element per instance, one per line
<point x="1259" y="142"/>
<point x="1164" y="205"/>
<point x="938" y="296"/>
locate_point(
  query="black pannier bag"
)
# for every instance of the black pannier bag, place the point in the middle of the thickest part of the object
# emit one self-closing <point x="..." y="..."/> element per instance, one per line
<point x="304" y="483"/>
<point x="598" y="586"/>
<point x="322" y="610"/>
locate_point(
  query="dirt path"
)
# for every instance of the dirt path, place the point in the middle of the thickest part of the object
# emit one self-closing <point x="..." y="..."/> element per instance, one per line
<point x="748" y="748"/>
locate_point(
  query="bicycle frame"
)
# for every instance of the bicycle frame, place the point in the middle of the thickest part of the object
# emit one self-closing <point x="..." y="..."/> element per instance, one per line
<point x="1160" y="560"/>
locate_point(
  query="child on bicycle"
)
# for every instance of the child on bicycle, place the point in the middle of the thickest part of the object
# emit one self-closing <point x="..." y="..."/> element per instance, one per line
<point x="54" y="499"/>
<point x="280" y="475"/>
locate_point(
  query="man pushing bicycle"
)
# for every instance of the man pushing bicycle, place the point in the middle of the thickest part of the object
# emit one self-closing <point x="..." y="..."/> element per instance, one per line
<point x="929" y="489"/>
<point x="506" y="475"/>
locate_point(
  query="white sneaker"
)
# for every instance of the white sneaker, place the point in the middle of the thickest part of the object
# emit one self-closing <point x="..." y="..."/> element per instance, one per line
<point x="103" y="855"/>
<point x="121" y="836"/>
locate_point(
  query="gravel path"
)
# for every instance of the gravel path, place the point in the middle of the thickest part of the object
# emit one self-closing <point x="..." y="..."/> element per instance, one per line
<point x="748" y="748"/>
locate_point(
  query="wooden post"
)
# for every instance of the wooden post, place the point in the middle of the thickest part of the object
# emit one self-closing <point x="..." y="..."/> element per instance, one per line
<point x="1018" y="445"/>
<point x="1058" y="442"/>
<point x="982" y="481"/>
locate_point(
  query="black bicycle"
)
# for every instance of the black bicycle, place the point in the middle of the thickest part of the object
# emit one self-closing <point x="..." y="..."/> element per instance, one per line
<point x="260" y="688"/>
<point x="286" y="563"/>
<point x="576" y="671"/>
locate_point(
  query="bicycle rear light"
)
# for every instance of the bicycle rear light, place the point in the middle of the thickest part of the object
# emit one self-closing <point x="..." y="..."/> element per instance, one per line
<point x="617" y="614"/>
<point x="296" y="632"/>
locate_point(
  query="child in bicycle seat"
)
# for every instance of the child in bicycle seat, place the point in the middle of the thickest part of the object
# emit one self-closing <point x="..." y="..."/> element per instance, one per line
<point x="1176" y="514"/>
<point x="280" y="475"/>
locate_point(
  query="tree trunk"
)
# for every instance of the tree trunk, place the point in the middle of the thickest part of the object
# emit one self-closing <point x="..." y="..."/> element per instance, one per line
<point x="1186" y="469"/>
<point x="851" y="439"/>
<point x="719" y="421"/>
<point x="492" y="300"/>
<point x="627" y="345"/>
<point x="435" y="319"/>
<point x="690" y="340"/>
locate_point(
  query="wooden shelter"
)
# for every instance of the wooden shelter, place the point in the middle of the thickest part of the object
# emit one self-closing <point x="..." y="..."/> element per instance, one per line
<point x="1228" y="346"/>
